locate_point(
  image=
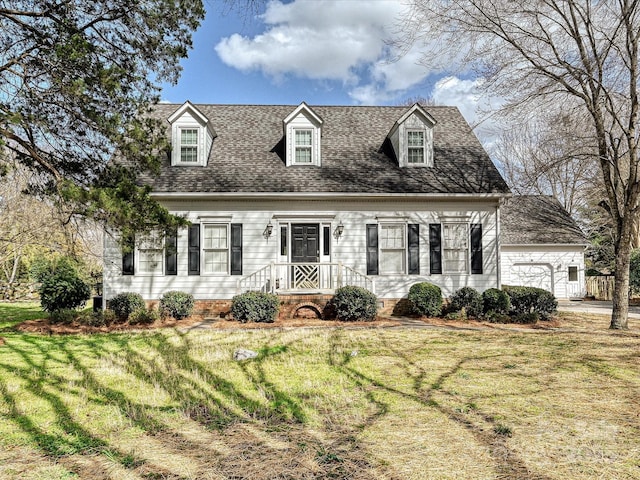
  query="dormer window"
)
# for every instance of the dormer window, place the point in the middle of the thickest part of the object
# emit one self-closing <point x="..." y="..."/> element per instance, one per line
<point x="188" y="145"/>
<point x="415" y="146"/>
<point x="303" y="146"/>
<point x="303" y="135"/>
<point x="412" y="138"/>
<point x="192" y="136"/>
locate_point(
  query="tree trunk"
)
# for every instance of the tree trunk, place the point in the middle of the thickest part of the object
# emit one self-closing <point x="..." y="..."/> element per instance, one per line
<point x="620" y="313"/>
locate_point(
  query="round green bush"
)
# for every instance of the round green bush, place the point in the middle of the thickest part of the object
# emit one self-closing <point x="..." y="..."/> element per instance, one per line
<point x="495" y="301"/>
<point x="426" y="299"/>
<point x="467" y="298"/>
<point x="177" y="304"/>
<point x="125" y="303"/>
<point x="63" y="289"/>
<point x="143" y="316"/>
<point x="354" y="303"/>
<point x="526" y="300"/>
<point x="255" y="307"/>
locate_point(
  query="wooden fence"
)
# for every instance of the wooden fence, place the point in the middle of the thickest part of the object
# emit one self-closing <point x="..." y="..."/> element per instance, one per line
<point x="600" y="288"/>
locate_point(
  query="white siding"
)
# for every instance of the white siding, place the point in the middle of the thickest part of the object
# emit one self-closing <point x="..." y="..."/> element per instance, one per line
<point x="553" y="261"/>
<point x="350" y="249"/>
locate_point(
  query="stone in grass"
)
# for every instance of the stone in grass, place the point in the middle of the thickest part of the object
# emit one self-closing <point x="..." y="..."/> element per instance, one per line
<point x="244" y="354"/>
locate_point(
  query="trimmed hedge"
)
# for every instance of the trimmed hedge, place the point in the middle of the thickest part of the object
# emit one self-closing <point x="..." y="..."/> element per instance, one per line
<point x="177" y="304"/>
<point x="495" y="301"/>
<point x="426" y="299"/>
<point x="531" y="300"/>
<point x="255" y="307"/>
<point x="355" y="303"/>
<point x="125" y="303"/>
<point x="143" y="316"/>
<point x="467" y="298"/>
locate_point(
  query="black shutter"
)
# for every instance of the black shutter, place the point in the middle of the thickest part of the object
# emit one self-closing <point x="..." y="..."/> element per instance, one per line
<point x="128" y="256"/>
<point x="194" y="249"/>
<point x="236" y="249"/>
<point x="413" y="241"/>
<point x="326" y="243"/>
<point x="171" y="253"/>
<point x="435" y="248"/>
<point x="372" y="249"/>
<point x="476" y="248"/>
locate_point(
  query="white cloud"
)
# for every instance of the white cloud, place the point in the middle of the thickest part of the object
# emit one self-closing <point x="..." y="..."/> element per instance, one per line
<point x="334" y="40"/>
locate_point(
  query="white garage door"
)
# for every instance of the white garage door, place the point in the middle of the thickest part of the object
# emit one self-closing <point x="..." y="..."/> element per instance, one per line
<point x="532" y="275"/>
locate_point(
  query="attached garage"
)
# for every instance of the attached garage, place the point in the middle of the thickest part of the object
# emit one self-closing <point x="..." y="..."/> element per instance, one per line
<point x="541" y="246"/>
<point x="538" y="275"/>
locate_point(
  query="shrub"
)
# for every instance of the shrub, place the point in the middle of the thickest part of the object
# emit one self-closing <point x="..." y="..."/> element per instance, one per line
<point x="177" y="304"/>
<point x="61" y="288"/>
<point x="634" y="272"/>
<point x="63" y="316"/>
<point x="525" y="300"/>
<point x="426" y="299"/>
<point x="255" y="307"/>
<point x="495" y="301"/>
<point x="467" y="298"/>
<point x="124" y="304"/>
<point x="354" y="303"/>
<point x="143" y="316"/>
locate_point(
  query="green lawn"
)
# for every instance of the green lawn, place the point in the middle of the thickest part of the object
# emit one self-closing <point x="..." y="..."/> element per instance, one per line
<point x="321" y="403"/>
<point x="13" y="313"/>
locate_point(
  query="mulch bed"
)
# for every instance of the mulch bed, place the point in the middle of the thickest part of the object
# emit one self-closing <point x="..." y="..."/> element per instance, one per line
<point x="44" y="326"/>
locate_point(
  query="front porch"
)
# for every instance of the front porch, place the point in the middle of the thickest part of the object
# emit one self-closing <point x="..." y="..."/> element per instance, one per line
<point x="298" y="278"/>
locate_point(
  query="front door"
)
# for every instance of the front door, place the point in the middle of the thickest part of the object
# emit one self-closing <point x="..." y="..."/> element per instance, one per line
<point x="305" y="250"/>
<point x="305" y="243"/>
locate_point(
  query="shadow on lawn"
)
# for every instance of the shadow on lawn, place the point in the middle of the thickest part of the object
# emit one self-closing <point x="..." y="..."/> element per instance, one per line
<point x="262" y="439"/>
<point x="251" y="429"/>
<point x="490" y="435"/>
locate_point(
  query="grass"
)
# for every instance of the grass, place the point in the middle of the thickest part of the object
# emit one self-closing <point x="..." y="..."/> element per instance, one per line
<point x="12" y="314"/>
<point x="411" y="404"/>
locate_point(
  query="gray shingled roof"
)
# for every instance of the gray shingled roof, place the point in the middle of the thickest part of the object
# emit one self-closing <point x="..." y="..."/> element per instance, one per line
<point x="248" y="154"/>
<point x="537" y="220"/>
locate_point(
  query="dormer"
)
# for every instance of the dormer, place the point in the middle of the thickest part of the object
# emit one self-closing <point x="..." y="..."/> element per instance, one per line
<point x="303" y="132"/>
<point x="412" y="138"/>
<point x="191" y="136"/>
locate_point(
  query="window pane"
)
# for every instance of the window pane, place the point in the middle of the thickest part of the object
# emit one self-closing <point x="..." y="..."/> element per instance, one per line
<point x="150" y="261"/>
<point x="455" y="235"/>
<point x="303" y="138"/>
<point x="215" y="261"/>
<point x="189" y="154"/>
<point x="303" y="154"/>
<point x="392" y="236"/>
<point x="392" y="261"/>
<point x="455" y="261"/>
<point x="415" y="139"/>
<point x="416" y="155"/>
<point x="215" y="236"/>
<point x="573" y="274"/>
<point x="189" y="136"/>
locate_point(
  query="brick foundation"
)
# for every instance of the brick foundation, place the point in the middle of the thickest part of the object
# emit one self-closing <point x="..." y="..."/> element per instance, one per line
<point x="300" y="306"/>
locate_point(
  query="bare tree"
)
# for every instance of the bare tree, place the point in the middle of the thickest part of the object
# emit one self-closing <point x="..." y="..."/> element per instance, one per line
<point x="576" y="56"/>
<point x="549" y="156"/>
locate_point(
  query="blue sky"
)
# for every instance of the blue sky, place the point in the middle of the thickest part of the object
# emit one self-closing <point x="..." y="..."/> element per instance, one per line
<point x="323" y="52"/>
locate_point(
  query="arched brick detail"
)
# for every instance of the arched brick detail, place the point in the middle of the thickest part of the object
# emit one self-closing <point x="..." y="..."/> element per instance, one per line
<point x="308" y="305"/>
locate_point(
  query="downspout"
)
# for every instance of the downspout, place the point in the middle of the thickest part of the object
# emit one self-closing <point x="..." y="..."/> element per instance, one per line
<point x="499" y="247"/>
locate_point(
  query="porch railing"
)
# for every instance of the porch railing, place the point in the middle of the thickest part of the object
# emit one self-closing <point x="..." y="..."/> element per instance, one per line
<point x="292" y="277"/>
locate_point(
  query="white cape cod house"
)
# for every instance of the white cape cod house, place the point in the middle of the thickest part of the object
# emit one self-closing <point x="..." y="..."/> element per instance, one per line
<point x="302" y="200"/>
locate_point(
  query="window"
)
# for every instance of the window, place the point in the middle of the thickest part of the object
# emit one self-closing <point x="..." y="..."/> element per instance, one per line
<point x="573" y="273"/>
<point x="392" y="248"/>
<point x="415" y="145"/>
<point x="189" y="145"/>
<point x="150" y="255"/>
<point x="303" y="146"/>
<point x="215" y="249"/>
<point x="455" y="239"/>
